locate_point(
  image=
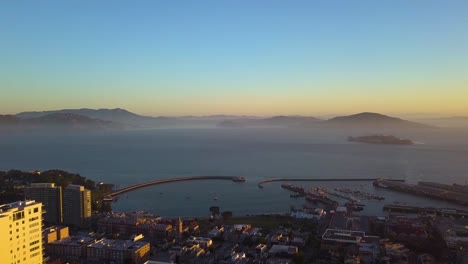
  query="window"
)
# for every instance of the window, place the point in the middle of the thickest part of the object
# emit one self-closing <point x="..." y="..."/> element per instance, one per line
<point x="34" y="248"/>
<point x="18" y="216"/>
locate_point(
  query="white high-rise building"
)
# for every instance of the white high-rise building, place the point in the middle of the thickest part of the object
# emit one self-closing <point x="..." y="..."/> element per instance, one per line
<point x="21" y="233"/>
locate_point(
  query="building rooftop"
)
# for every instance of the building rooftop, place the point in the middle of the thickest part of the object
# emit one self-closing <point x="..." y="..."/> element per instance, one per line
<point x="51" y="229"/>
<point x="43" y="185"/>
<point x="118" y="244"/>
<point x="341" y="235"/>
<point x="16" y="205"/>
<point x="198" y="239"/>
<point x="76" y="187"/>
<point x="74" y="241"/>
<point x="277" y="249"/>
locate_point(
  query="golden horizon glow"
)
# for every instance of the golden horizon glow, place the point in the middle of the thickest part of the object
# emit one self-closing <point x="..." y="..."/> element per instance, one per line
<point x="310" y="58"/>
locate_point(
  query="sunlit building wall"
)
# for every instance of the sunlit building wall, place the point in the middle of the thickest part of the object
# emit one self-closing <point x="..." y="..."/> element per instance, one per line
<point x="21" y="233"/>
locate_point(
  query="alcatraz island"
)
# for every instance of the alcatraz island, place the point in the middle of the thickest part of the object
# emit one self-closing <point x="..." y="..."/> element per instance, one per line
<point x="381" y="139"/>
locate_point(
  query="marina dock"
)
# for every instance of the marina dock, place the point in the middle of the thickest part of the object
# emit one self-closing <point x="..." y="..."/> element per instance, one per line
<point x="452" y="193"/>
<point x="447" y="212"/>
<point x="260" y="184"/>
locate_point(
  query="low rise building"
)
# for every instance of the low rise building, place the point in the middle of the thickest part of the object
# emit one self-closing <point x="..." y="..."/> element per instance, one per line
<point x="453" y="231"/>
<point x="203" y="242"/>
<point x="395" y="253"/>
<point x="117" y="251"/>
<point x="55" y="233"/>
<point x="337" y="239"/>
<point x="279" y="239"/>
<point x="70" y="248"/>
<point x="238" y="256"/>
<point x="404" y="229"/>
<point x="316" y="213"/>
<point x="153" y="227"/>
<point x="298" y="242"/>
<point x="241" y="227"/>
<point x="122" y="224"/>
<point x="261" y="248"/>
<point x="216" y="232"/>
<point x="282" y="251"/>
<point x="369" y="249"/>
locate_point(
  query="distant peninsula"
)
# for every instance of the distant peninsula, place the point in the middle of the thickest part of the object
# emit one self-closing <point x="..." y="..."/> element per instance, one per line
<point x="360" y="121"/>
<point x="85" y="119"/>
<point x="381" y="139"/>
<point x="375" y="120"/>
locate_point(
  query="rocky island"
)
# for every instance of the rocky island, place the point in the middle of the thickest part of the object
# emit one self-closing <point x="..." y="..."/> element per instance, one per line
<point x="381" y="139"/>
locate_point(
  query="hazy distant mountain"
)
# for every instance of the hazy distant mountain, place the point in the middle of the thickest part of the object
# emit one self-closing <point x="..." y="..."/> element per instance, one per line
<point x="123" y="116"/>
<point x="217" y="117"/>
<point x="9" y="119"/>
<point x="367" y="119"/>
<point x="73" y="120"/>
<point x="114" y="115"/>
<point x="276" y="121"/>
<point x="453" y="121"/>
<point x="361" y="120"/>
<point x="57" y="121"/>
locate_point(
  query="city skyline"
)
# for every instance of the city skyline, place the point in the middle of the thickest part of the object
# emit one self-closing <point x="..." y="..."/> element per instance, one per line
<point x="275" y="58"/>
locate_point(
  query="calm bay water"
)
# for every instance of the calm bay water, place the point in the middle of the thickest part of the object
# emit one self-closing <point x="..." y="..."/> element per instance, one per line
<point x="129" y="157"/>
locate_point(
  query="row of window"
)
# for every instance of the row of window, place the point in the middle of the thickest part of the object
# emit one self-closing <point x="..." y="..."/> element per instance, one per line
<point x="17" y="249"/>
<point x="35" y="236"/>
<point x="35" y="254"/>
<point x="34" y="248"/>
<point x="34" y="243"/>
<point x="34" y="230"/>
<point x="18" y="261"/>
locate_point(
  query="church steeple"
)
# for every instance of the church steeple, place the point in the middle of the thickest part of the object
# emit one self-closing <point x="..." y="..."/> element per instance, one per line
<point x="180" y="227"/>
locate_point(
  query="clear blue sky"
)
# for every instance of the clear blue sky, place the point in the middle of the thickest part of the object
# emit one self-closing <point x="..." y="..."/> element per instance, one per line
<point x="235" y="57"/>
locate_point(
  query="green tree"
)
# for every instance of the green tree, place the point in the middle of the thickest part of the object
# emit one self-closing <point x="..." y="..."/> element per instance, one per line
<point x="299" y="258"/>
<point x="226" y="214"/>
